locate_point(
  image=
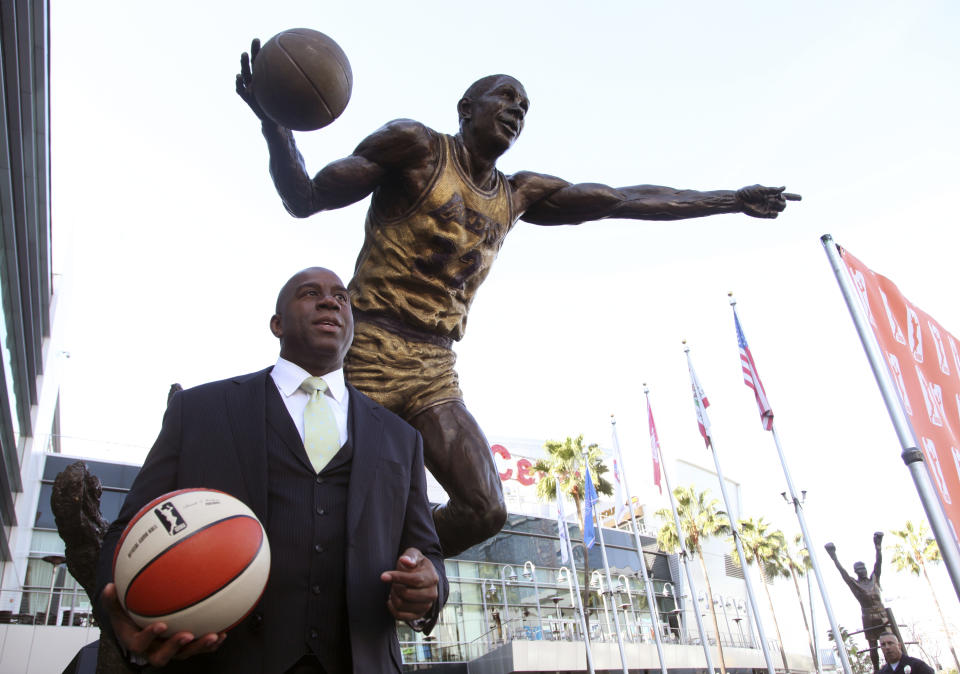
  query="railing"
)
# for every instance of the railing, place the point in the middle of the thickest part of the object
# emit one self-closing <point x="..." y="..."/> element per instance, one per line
<point x="63" y="607"/>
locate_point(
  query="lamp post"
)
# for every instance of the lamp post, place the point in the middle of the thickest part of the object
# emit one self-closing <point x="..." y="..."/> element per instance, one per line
<point x="530" y="573"/>
<point x="483" y="598"/>
<point x="55" y="561"/>
<point x="624" y="587"/>
<point x="503" y="585"/>
<point x="561" y="573"/>
<point x="596" y="578"/>
<point x="719" y="601"/>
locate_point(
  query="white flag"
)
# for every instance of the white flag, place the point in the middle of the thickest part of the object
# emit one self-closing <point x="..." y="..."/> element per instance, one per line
<point x="562" y="530"/>
<point x="620" y="493"/>
<point x="701" y="404"/>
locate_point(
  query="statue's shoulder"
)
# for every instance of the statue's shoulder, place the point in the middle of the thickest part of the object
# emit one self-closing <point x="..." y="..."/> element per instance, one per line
<point x="401" y="139"/>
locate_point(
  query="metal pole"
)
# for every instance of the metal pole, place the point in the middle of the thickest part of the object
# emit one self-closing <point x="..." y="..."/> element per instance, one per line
<point x="606" y="568"/>
<point x="648" y="586"/>
<point x="743" y="559"/>
<point x="486" y="620"/>
<point x="813" y="625"/>
<point x="536" y="591"/>
<point x="808" y="541"/>
<point x="684" y="556"/>
<point x="579" y="605"/>
<point x="911" y="456"/>
<point x="506" y="606"/>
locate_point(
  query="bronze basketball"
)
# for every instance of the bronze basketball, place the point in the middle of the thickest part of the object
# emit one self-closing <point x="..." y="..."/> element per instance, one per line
<point x="302" y="79"/>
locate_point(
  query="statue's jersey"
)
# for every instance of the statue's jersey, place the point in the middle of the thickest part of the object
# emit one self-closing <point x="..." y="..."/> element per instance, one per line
<point x="424" y="267"/>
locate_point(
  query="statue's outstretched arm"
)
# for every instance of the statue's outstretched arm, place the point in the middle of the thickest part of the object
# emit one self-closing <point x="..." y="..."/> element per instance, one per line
<point x="877" y="540"/>
<point x="567" y="204"/>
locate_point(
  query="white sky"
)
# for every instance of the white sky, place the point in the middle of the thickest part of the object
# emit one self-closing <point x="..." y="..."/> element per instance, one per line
<point x="174" y="243"/>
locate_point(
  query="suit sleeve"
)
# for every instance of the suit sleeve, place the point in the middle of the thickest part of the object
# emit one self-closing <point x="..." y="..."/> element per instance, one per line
<point x="157" y="476"/>
<point x="419" y="532"/>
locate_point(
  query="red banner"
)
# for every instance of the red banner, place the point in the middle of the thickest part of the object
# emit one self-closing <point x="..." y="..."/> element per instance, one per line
<point x="924" y="363"/>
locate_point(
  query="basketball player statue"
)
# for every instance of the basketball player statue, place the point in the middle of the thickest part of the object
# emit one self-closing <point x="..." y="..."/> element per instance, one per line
<point x="438" y="215"/>
<point x="867" y="591"/>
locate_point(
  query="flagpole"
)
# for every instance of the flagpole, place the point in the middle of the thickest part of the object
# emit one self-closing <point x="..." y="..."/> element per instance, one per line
<point x="808" y="541"/>
<point x="568" y="545"/>
<point x="911" y="456"/>
<point x="684" y="557"/>
<point x="651" y="602"/>
<point x="736" y="539"/>
<point x="606" y="567"/>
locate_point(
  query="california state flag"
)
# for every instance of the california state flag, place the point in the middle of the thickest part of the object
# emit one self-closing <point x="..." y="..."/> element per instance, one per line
<point x="700" y="403"/>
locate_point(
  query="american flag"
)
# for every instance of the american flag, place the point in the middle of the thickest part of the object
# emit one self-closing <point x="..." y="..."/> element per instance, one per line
<point x="752" y="378"/>
<point x="700" y="403"/>
<point x="654" y="448"/>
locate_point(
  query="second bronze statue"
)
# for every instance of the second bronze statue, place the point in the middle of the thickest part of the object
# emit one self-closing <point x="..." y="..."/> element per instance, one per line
<point x="438" y="216"/>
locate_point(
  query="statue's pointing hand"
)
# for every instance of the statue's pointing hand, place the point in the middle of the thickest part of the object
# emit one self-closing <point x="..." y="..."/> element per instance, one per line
<point x="759" y="201"/>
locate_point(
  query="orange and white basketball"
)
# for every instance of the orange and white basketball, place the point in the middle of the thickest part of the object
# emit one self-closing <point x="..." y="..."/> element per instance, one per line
<point x="195" y="559"/>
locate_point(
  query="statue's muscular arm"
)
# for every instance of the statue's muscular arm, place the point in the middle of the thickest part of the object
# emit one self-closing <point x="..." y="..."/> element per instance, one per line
<point x="396" y="157"/>
<point x="548" y="200"/>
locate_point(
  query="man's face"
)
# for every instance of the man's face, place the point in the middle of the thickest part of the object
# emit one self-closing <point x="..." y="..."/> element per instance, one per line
<point x="860" y="569"/>
<point x="496" y="115"/>
<point x="314" y="321"/>
<point x="890" y="647"/>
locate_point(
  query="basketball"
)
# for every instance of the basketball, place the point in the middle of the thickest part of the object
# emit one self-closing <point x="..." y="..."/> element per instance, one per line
<point x="195" y="559"/>
<point x="302" y="79"/>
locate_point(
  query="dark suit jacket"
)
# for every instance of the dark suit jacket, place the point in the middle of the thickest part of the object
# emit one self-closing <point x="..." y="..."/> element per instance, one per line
<point x="916" y="666"/>
<point x="213" y="436"/>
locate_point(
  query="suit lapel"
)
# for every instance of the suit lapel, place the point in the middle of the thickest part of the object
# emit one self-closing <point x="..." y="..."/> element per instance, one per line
<point x="366" y="434"/>
<point x="246" y="404"/>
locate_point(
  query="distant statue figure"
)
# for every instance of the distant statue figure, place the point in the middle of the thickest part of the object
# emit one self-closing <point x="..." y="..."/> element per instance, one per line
<point x="75" y="503"/>
<point x="867" y="591"/>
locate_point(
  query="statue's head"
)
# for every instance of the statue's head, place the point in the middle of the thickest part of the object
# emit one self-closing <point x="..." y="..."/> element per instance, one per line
<point x="861" y="570"/>
<point x="491" y="113"/>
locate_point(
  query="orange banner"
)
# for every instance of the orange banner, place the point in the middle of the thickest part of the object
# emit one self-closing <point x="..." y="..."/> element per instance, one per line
<point x="924" y="363"/>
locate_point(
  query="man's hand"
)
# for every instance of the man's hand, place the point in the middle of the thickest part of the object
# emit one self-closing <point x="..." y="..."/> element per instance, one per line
<point x="877" y="538"/>
<point x="147" y="642"/>
<point x="831" y="550"/>
<point x="245" y="79"/>
<point x="763" y="202"/>
<point x="413" y="586"/>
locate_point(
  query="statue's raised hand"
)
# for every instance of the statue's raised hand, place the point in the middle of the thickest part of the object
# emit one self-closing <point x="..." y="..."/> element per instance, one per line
<point x="831" y="549"/>
<point x="877" y="538"/>
<point x="245" y="79"/>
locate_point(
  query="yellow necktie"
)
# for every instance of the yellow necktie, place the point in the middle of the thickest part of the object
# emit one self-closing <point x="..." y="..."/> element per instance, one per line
<point x="321" y="438"/>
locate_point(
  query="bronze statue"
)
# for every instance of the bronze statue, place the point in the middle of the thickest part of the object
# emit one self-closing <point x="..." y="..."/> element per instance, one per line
<point x="75" y="503"/>
<point x="439" y="213"/>
<point x="867" y="591"/>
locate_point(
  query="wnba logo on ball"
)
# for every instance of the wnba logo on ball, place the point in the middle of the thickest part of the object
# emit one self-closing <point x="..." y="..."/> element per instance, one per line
<point x="170" y="518"/>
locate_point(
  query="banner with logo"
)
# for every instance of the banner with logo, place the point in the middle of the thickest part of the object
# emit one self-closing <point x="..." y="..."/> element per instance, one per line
<point x="924" y="363"/>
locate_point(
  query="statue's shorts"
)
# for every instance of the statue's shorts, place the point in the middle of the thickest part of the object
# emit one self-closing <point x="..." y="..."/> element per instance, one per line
<point x="874" y="624"/>
<point x="404" y="375"/>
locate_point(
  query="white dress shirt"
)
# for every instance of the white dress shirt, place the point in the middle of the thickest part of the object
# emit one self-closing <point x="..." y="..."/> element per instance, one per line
<point x="288" y="378"/>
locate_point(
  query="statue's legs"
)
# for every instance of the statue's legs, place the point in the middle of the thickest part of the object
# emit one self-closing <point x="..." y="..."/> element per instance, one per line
<point x="458" y="455"/>
<point x="873" y="626"/>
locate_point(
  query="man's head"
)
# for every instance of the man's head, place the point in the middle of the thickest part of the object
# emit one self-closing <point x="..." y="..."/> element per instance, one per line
<point x="314" y="320"/>
<point x="491" y="113"/>
<point x="861" y="570"/>
<point x="890" y="646"/>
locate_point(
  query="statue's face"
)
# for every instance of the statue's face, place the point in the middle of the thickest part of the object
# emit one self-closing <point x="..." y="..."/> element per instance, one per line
<point x="861" y="570"/>
<point x="497" y="114"/>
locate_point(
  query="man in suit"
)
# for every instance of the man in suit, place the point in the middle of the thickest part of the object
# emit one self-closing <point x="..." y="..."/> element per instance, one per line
<point x="353" y="545"/>
<point x="897" y="661"/>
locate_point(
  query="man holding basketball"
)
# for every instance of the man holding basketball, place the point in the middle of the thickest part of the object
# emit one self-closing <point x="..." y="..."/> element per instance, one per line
<point x="352" y="540"/>
<point x="438" y="215"/>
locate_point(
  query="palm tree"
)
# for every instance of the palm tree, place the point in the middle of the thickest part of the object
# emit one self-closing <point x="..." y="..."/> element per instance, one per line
<point x="700" y="519"/>
<point x="915" y="549"/>
<point x="564" y="464"/>
<point x="797" y="561"/>
<point x="763" y="548"/>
